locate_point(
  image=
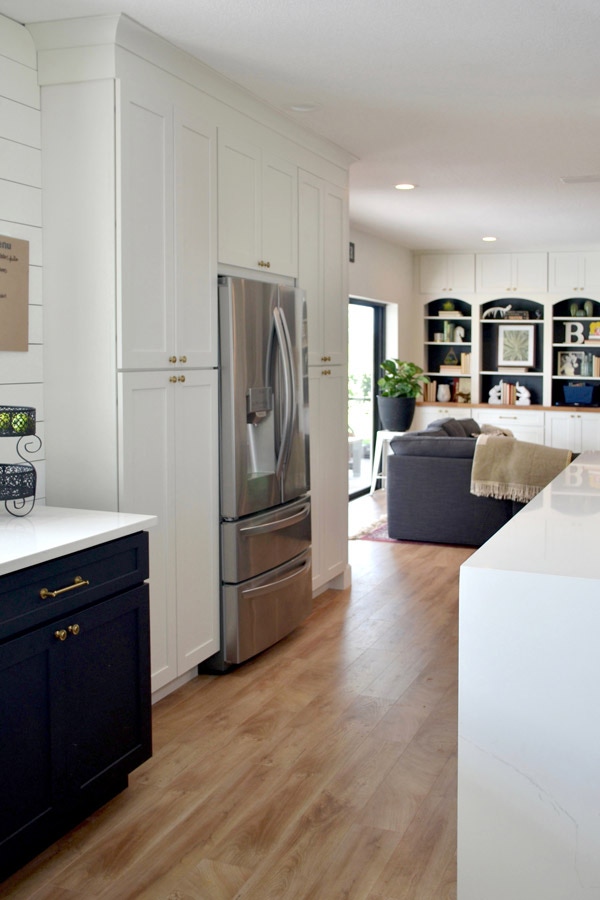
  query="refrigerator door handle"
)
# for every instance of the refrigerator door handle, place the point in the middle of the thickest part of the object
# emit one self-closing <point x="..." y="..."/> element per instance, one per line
<point x="280" y="523"/>
<point x="282" y="334"/>
<point x="274" y="585"/>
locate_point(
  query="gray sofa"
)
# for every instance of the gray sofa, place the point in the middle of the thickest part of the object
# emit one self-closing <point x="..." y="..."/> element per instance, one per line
<point x="428" y="488"/>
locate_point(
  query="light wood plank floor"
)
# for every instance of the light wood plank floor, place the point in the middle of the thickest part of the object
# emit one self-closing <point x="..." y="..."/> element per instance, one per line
<point x="323" y="769"/>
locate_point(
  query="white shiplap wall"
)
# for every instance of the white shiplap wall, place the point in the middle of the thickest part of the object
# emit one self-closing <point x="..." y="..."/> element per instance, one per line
<point x="21" y="374"/>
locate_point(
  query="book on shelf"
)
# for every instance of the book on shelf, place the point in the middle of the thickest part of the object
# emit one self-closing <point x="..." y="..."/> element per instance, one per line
<point x="516" y="314"/>
<point x="451" y="370"/>
<point x="509" y="393"/>
<point x="513" y="370"/>
<point x="465" y="363"/>
<point x="430" y="392"/>
<point x="449" y="314"/>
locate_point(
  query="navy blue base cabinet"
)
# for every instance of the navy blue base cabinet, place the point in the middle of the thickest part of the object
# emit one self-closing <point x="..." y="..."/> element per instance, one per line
<point x="74" y="690"/>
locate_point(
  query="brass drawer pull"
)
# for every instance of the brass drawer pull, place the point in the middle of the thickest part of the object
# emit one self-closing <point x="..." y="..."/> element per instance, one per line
<point x="60" y="635"/>
<point x="77" y="582"/>
<point x="73" y="629"/>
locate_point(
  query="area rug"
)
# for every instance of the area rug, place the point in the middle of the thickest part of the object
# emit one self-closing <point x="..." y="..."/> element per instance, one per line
<point x="376" y="531"/>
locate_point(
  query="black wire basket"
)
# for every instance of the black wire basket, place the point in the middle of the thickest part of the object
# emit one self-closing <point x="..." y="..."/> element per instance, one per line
<point x="17" y="482"/>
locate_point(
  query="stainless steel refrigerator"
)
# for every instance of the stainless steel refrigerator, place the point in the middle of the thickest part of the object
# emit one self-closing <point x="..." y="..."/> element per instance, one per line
<point x="265" y="508"/>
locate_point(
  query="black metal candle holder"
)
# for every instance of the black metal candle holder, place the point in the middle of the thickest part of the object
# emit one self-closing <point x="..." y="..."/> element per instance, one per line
<point x="18" y="480"/>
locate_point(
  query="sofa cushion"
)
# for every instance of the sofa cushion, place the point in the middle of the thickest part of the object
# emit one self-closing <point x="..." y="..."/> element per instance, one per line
<point x="422" y="443"/>
<point x="455" y="427"/>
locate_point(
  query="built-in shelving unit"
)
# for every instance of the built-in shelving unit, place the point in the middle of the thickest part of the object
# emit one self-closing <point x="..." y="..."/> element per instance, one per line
<point x="447" y="333"/>
<point x="576" y="352"/>
<point x="503" y="339"/>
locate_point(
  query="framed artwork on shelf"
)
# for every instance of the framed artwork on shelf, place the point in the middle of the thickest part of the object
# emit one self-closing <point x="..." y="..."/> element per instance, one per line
<point x="571" y="362"/>
<point x="516" y="345"/>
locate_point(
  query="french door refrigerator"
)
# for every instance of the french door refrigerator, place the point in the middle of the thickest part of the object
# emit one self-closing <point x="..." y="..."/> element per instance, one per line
<point x="265" y="508"/>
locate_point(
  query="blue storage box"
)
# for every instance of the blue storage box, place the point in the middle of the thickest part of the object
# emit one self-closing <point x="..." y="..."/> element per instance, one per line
<point x="580" y="394"/>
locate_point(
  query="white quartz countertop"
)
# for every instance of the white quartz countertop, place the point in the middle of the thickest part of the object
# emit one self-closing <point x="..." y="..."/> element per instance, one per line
<point x="557" y="533"/>
<point x="48" y="532"/>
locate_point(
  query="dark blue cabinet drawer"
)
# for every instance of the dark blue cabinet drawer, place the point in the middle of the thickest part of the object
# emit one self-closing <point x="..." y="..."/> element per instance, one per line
<point x="49" y="590"/>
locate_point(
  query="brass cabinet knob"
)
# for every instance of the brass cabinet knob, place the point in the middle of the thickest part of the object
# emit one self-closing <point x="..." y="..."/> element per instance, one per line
<point x="181" y="378"/>
<point x="264" y="264"/>
<point x="60" y="635"/>
<point x="183" y="359"/>
<point x="326" y="372"/>
<point x="173" y="379"/>
<point x="325" y="359"/>
<point x="73" y="629"/>
<point x="172" y="359"/>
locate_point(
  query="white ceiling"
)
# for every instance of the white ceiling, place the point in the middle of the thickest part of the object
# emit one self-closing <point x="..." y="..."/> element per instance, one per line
<point x="484" y="105"/>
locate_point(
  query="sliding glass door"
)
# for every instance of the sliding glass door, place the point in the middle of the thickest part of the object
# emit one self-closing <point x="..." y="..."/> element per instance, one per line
<point x="366" y="342"/>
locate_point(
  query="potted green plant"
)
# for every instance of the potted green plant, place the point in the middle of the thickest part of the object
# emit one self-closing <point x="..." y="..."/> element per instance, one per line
<point x="399" y="387"/>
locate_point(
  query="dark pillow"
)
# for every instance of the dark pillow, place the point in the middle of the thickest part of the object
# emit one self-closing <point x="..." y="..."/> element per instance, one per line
<point x="453" y="428"/>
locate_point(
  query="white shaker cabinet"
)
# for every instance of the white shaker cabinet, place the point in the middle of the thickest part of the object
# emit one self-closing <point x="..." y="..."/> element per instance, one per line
<point x="574" y="273"/>
<point x="322" y="268"/>
<point x="328" y="396"/>
<point x="258" y="207"/>
<point x="447" y="273"/>
<point x="129" y="283"/>
<point x="576" y="431"/>
<point x="525" y="424"/>
<point x="168" y="233"/>
<point x="506" y="273"/>
<point x="169" y="466"/>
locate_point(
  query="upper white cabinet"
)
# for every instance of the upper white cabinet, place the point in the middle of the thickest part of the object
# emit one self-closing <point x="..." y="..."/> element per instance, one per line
<point x="452" y="273"/>
<point x="575" y="272"/>
<point x="168" y="234"/>
<point x="323" y="267"/>
<point x="258" y="207"/>
<point x="506" y="273"/>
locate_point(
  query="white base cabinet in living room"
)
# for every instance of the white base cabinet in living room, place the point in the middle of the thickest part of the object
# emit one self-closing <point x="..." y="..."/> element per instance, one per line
<point x="328" y="393"/>
<point x="169" y="467"/>
<point x="576" y="431"/>
<point x="525" y="424"/>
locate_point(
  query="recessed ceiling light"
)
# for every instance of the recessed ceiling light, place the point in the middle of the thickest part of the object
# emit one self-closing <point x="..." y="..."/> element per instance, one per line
<point x="489" y="239"/>
<point x="580" y="179"/>
<point x="303" y="107"/>
<point x="405" y="187"/>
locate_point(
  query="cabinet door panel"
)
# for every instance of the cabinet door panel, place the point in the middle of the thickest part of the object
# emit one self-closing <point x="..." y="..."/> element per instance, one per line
<point x="280" y="216"/>
<point x="147" y="481"/>
<point x="28" y="758"/>
<point x="196" y="241"/>
<point x="197" y="517"/>
<point x="147" y="324"/>
<point x="239" y="222"/>
<point x="335" y="269"/>
<point x="329" y="467"/>
<point x="310" y="260"/>
<point x="106" y="691"/>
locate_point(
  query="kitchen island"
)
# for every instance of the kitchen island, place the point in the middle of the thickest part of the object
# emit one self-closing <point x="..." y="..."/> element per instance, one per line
<point x="529" y="700"/>
<point x="74" y="669"/>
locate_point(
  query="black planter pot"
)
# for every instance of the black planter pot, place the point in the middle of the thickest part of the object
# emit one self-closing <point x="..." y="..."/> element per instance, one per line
<point x="396" y="413"/>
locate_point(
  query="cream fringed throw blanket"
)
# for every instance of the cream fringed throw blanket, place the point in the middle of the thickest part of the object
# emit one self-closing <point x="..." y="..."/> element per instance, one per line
<point x="514" y="470"/>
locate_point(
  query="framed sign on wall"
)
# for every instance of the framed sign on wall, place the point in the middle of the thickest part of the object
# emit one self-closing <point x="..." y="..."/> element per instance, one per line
<point x="14" y="294"/>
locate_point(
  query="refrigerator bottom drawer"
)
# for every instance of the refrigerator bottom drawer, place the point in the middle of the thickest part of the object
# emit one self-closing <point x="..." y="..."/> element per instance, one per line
<point x="261" y="611"/>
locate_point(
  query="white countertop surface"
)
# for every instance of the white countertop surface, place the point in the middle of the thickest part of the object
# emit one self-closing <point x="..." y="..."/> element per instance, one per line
<point x="48" y="532"/>
<point x="557" y="533"/>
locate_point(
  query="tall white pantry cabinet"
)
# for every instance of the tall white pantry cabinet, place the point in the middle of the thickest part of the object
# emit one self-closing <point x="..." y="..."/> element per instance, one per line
<point x="131" y="211"/>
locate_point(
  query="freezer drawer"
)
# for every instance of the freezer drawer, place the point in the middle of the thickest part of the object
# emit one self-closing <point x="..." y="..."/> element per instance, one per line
<point x="261" y="542"/>
<point x="263" y="610"/>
